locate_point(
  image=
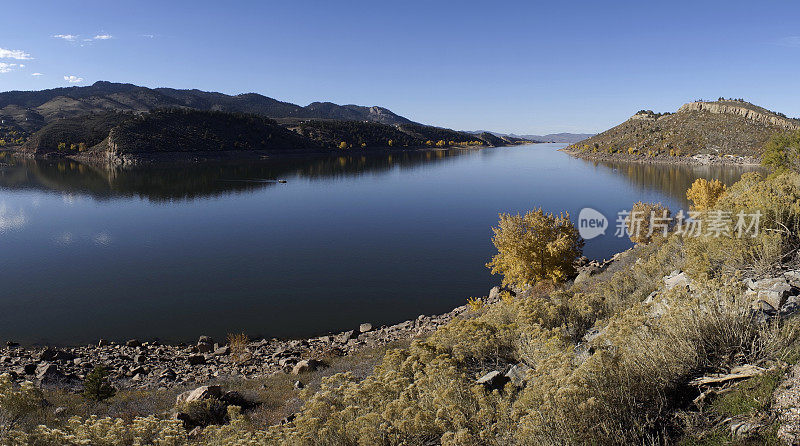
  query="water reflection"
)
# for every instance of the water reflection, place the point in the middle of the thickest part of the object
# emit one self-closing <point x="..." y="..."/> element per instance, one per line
<point x="672" y="180"/>
<point x="181" y="182"/>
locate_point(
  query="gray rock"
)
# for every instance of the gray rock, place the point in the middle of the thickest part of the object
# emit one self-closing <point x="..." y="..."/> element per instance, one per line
<point x="222" y="351"/>
<point x="200" y="393"/>
<point x="306" y="365"/>
<point x="52" y="354"/>
<point x="677" y="278"/>
<point x="205" y="348"/>
<point x="205" y="340"/>
<point x="47" y="371"/>
<point x="365" y="327"/>
<point x="298" y="385"/>
<point x="493" y="380"/>
<point x="133" y="343"/>
<point x="58" y="411"/>
<point x="343" y="337"/>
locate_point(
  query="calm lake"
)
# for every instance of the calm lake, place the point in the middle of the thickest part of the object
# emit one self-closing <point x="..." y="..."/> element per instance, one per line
<point x="174" y="253"/>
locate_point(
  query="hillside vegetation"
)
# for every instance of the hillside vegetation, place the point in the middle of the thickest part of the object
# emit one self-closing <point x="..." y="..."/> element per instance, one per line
<point x="722" y="128"/>
<point x="126" y="137"/>
<point x="29" y="111"/>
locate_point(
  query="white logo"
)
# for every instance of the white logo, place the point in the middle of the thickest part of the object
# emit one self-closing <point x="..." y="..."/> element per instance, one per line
<point x="591" y="223"/>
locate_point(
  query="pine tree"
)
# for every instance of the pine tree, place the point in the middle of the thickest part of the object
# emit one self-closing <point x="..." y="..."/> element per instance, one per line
<point x="96" y="386"/>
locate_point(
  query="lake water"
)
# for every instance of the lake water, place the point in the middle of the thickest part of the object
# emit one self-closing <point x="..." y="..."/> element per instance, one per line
<point x="173" y="253"/>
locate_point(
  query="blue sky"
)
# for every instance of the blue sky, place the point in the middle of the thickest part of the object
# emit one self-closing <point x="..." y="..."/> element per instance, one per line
<point x="524" y="67"/>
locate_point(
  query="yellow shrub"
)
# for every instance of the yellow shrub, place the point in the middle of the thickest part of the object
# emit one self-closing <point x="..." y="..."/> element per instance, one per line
<point x="704" y="194"/>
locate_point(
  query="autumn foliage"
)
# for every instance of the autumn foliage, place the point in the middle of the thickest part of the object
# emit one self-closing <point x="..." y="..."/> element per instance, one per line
<point x="704" y="194"/>
<point x="535" y="247"/>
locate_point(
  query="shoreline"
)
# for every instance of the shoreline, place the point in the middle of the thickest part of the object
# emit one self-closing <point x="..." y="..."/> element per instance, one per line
<point x="695" y="160"/>
<point x="151" y="365"/>
<point x="109" y="160"/>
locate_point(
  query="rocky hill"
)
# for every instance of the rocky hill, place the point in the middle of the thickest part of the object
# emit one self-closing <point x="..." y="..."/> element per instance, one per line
<point x="723" y="128"/>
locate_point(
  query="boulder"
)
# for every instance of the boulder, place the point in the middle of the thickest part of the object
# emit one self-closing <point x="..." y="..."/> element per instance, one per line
<point x="365" y="327"/>
<point x="222" y="351"/>
<point x="306" y="365"/>
<point x="493" y="380"/>
<point x="768" y="294"/>
<point x="343" y="337"/>
<point x="200" y="393"/>
<point x="205" y="340"/>
<point x="205" y="348"/>
<point x="793" y="278"/>
<point x="133" y="343"/>
<point x="46" y="371"/>
<point x="53" y="354"/>
<point x="677" y="278"/>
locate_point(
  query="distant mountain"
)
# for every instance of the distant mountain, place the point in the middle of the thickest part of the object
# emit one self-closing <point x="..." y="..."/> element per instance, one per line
<point x="551" y="137"/>
<point x="731" y="127"/>
<point x="28" y="111"/>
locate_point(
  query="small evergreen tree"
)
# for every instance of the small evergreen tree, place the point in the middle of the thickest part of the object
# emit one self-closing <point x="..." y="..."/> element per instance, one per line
<point x="96" y="386"/>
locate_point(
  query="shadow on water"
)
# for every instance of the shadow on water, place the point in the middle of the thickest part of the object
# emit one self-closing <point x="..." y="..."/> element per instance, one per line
<point x="167" y="182"/>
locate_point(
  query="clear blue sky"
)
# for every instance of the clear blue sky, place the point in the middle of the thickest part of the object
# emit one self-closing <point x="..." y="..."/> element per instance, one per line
<point x="524" y="67"/>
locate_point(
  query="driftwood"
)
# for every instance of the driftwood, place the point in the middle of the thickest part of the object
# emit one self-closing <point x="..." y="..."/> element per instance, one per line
<point x="737" y="373"/>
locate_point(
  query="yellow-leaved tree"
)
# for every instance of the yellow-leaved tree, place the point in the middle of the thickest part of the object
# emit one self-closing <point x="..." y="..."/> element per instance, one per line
<point x="704" y="194"/>
<point x="535" y="247"/>
<point x="648" y="220"/>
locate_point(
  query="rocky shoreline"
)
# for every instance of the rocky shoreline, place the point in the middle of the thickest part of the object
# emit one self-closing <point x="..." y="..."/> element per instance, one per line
<point x="150" y="365"/>
<point x="695" y="160"/>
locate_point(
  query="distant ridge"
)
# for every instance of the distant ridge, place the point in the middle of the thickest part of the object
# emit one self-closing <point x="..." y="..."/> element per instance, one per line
<point x="726" y="127"/>
<point x="550" y="137"/>
<point x="31" y="110"/>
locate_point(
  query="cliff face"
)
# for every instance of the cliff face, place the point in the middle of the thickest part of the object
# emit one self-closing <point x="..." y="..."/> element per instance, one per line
<point x="723" y="128"/>
<point x="743" y="109"/>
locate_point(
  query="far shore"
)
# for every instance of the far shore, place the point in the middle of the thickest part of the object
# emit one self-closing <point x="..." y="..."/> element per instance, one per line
<point x="155" y="158"/>
<point x="695" y="160"/>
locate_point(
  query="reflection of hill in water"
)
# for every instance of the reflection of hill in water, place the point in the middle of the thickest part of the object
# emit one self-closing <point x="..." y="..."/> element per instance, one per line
<point x="673" y="180"/>
<point x="171" y="182"/>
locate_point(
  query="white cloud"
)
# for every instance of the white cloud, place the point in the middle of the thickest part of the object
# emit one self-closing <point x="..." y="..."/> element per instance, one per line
<point x="149" y="36"/>
<point x="14" y="54"/>
<point x="73" y="79"/>
<point x="37" y="74"/>
<point x="103" y="37"/>
<point x="67" y="37"/>
<point x="7" y="67"/>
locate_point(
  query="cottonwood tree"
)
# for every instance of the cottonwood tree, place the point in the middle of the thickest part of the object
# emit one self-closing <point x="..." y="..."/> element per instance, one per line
<point x="535" y="247"/>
